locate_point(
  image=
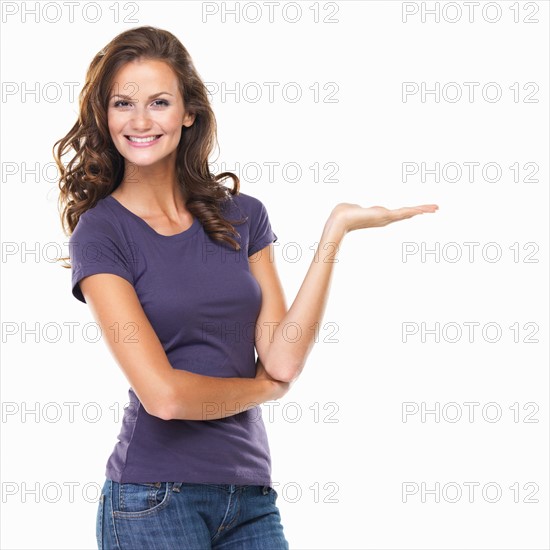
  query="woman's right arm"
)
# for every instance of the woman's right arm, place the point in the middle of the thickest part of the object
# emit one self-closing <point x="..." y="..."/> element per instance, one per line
<point x="164" y="391"/>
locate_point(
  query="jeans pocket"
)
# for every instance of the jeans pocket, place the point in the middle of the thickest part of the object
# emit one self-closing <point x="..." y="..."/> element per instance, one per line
<point x="99" y="521"/>
<point x="141" y="499"/>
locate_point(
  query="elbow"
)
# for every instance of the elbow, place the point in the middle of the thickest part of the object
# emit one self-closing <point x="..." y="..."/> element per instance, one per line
<point x="163" y="413"/>
<point x="289" y="377"/>
<point x="287" y="374"/>
<point x="163" y="408"/>
<point x="284" y="376"/>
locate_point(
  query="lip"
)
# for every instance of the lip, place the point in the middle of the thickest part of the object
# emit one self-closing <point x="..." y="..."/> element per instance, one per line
<point x="141" y="145"/>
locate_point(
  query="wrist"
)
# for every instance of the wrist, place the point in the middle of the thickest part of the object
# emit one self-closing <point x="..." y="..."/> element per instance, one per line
<point x="335" y="228"/>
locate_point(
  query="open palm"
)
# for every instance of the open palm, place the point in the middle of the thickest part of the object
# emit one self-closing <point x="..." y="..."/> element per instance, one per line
<point x="355" y="216"/>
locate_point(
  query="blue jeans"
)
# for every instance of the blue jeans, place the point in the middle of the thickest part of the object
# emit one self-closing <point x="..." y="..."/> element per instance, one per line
<point x="171" y="515"/>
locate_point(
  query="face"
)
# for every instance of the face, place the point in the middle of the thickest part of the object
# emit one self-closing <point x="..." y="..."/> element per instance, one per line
<point x="146" y="113"/>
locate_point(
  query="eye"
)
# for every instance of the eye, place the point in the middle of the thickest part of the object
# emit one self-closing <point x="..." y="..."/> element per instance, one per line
<point x="162" y="102"/>
<point x="120" y="103"/>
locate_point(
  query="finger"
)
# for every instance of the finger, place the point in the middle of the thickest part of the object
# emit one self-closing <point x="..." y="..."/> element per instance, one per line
<point x="414" y="210"/>
<point x="426" y="207"/>
<point x="405" y="212"/>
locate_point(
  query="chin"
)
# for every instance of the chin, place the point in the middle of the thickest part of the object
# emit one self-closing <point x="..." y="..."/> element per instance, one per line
<point x="141" y="162"/>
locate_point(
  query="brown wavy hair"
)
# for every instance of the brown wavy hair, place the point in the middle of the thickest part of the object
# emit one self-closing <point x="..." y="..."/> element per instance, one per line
<point x="97" y="168"/>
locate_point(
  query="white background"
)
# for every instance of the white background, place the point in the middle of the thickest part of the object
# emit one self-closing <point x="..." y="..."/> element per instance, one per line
<point x="363" y="459"/>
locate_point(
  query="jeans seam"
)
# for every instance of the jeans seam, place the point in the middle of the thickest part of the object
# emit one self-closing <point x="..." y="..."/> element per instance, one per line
<point x="101" y="521"/>
<point x="237" y="510"/>
<point x="112" y="518"/>
<point x="220" y="526"/>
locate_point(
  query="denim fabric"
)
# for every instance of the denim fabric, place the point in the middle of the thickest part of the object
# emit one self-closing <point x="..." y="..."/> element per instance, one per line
<point x="188" y="516"/>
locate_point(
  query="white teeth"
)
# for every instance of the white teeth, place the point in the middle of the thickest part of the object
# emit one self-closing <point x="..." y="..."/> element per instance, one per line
<point x="142" y="140"/>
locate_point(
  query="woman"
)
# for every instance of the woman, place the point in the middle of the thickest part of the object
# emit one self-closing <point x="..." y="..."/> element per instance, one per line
<point x="183" y="300"/>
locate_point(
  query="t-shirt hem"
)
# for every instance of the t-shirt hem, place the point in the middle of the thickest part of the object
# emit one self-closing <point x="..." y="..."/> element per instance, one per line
<point x="260" y="245"/>
<point x="79" y="275"/>
<point x="210" y="481"/>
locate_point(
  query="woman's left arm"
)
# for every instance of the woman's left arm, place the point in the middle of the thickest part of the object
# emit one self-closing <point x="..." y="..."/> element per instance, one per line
<point x="284" y="338"/>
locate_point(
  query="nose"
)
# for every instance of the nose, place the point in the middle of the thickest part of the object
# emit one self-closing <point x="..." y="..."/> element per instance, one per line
<point x="141" y="120"/>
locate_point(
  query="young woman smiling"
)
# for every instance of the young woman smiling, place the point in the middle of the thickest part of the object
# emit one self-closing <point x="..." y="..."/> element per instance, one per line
<point x="182" y="266"/>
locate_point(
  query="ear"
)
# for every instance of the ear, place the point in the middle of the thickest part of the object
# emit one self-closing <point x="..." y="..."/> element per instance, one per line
<point x="189" y="119"/>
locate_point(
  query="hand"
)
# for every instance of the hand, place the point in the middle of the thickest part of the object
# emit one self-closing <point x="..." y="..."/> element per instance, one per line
<point x="353" y="216"/>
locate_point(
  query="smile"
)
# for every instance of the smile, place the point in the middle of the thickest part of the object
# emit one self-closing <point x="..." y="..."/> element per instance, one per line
<point x="148" y="139"/>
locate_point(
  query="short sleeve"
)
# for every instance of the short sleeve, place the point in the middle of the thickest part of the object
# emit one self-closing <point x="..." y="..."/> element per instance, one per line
<point x="261" y="233"/>
<point x="96" y="246"/>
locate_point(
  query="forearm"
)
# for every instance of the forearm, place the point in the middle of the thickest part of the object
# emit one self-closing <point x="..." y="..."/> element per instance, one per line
<point x="287" y="355"/>
<point x="198" y="397"/>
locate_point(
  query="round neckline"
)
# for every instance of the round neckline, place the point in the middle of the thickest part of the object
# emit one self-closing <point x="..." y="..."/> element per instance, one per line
<point x="191" y="230"/>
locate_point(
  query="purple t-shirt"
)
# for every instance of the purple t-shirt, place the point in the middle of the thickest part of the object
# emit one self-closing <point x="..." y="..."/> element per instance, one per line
<point x="203" y="302"/>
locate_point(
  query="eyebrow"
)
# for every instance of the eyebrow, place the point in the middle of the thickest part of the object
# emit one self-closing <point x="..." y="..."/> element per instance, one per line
<point x="123" y="96"/>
